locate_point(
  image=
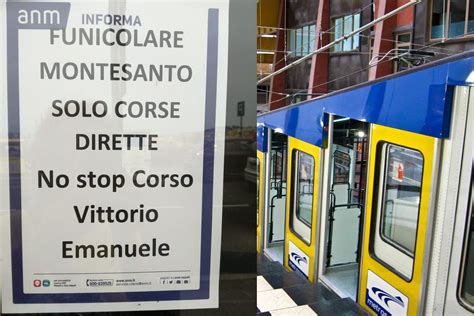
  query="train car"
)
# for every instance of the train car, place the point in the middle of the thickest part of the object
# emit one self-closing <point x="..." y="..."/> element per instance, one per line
<point x="369" y="190"/>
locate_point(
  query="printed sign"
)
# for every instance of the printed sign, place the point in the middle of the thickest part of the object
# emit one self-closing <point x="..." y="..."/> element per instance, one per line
<point x="298" y="260"/>
<point x="241" y="109"/>
<point x="383" y="298"/>
<point x="116" y="122"/>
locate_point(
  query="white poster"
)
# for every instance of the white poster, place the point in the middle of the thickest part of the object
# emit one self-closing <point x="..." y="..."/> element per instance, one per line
<point x="297" y="259"/>
<point x="384" y="299"/>
<point x="113" y="133"/>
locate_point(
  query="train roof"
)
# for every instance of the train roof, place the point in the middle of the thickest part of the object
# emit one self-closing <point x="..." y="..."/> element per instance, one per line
<point x="418" y="100"/>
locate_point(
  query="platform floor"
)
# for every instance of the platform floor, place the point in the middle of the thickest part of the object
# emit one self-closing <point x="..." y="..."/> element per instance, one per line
<point x="280" y="292"/>
<point x="344" y="278"/>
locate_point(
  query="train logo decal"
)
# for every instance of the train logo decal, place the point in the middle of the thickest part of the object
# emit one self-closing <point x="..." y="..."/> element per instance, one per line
<point x="298" y="260"/>
<point x="383" y="298"/>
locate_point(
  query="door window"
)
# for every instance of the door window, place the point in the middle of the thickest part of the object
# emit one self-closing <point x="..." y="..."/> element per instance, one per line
<point x="303" y="184"/>
<point x="398" y="207"/>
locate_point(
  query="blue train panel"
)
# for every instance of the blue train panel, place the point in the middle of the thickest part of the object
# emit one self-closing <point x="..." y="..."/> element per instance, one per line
<point x="418" y="101"/>
<point x="262" y="138"/>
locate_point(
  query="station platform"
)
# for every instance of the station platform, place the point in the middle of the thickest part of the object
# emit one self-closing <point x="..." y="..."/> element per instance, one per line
<point x="280" y="292"/>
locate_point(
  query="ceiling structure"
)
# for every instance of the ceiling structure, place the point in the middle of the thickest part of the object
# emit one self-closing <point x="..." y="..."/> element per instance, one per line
<point x="267" y="23"/>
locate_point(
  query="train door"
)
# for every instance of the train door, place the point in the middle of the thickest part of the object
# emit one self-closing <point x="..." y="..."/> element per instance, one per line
<point x="459" y="294"/>
<point x="302" y="202"/>
<point x="276" y="186"/>
<point x="344" y="191"/>
<point x="401" y="180"/>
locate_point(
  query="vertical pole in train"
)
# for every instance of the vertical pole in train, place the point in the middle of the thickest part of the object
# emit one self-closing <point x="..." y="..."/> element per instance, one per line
<point x="241" y="113"/>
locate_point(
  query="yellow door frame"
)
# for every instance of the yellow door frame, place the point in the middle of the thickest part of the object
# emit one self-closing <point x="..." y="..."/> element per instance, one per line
<point x="290" y="236"/>
<point x="411" y="289"/>
<point x="260" y="157"/>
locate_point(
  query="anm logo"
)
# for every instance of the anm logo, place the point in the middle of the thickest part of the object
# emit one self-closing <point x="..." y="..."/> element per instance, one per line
<point x="40" y="17"/>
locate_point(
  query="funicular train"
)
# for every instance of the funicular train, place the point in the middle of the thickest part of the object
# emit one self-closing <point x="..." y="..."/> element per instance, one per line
<point x="369" y="190"/>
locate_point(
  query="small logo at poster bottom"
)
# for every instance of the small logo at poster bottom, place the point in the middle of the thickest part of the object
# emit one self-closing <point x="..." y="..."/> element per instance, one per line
<point x="46" y="283"/>
<point x="37" y="283"/>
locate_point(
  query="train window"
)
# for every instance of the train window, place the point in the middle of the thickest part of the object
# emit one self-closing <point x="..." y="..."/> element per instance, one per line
<point x="399" y="197"/>
<point x="466" y="286"/>
<point x="303" y="188"/>
<point x="342" y="167"/>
